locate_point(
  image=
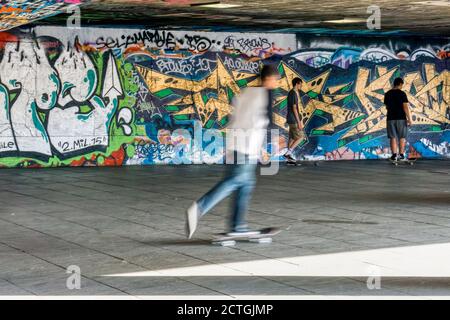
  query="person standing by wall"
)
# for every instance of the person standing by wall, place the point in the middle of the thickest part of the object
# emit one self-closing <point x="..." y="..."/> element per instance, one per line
<point x="398" y="119"/>
<point x="249" y="124"/>
<point x="293" y="119"/>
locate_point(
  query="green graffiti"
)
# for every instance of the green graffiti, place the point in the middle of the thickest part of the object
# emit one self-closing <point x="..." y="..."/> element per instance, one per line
<point x="4" y="91"/>
<point x="91" y="79"/>
<point x="54" y="97"/>
<point x="37" y="122"/>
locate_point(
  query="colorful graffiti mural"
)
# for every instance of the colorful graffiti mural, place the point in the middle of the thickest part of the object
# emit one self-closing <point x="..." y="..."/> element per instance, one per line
<point x="103" y="96"/>
<point x="343" y="109"/>
<point x="14" y="13"/>
<point x="62" y="105"/>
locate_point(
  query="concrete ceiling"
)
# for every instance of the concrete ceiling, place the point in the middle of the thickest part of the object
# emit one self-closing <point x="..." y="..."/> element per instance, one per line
<point x="415" y="16"/>
<point x="14" y="13"/>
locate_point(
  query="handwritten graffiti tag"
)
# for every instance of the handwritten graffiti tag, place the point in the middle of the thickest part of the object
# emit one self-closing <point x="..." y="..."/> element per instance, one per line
<point x="160" y="39"/>
<point x="185" y="67"/>
<point x="240" y="64"/>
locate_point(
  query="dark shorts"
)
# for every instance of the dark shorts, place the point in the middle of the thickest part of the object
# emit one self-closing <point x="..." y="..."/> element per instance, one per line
<point x="397" y="129"/>
<point x="294" y="132"/>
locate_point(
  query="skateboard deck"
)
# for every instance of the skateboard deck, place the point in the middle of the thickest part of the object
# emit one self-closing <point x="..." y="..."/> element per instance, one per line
<point x="293" y="163"/>
<point x="264" y="236"/>
<point x="406" y="161"/>
<point x="302" y="163"/>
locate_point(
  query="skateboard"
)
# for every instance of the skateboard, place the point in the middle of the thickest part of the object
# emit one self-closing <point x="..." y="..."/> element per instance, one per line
<point x="406" y="161"/>
<point x="293" y="163"/>
<point x="301" y="163"/>
<point x="264" y="236"/>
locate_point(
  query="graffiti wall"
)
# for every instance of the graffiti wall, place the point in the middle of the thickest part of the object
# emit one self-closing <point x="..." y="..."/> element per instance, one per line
<point x="102" y="96"/>
<point x="345" y="81"/>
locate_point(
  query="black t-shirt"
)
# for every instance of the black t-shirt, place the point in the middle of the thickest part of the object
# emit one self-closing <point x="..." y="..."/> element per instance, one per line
<point x="291" y="102"/>
<point x="394" y="99"/>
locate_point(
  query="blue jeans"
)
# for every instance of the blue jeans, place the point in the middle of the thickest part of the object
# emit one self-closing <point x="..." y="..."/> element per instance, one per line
<point x="240" y="179"/>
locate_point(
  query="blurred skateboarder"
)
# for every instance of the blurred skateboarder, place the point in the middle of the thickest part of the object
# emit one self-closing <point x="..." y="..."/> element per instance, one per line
<point x="293" y="119"/>
<point x="252" y="109"/>
<point x="398" y="119"/>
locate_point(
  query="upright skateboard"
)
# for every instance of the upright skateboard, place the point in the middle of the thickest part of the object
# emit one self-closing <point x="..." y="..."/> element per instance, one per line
<point x="261" y="236"/>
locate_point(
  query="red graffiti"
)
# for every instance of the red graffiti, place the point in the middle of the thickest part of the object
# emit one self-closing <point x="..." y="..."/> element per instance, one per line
<point x="78" y="163"/>
<point x="116" y="158"/>
<point x="7" y="37"/>
<point x="442" y="54"/>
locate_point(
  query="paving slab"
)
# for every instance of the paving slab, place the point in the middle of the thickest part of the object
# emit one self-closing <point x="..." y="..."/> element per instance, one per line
<point x="124" y="228"/>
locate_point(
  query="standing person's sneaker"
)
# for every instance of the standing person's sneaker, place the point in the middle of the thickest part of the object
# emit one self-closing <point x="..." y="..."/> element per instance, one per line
<point x="192" y="214"/>
<point x="394" y="157"/>
<point x="402" y="157"/>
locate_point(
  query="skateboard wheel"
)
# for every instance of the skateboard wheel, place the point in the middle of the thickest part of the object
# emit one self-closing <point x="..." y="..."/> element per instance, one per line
<point x="227" y="243"/>
<point x="264" y="240"/>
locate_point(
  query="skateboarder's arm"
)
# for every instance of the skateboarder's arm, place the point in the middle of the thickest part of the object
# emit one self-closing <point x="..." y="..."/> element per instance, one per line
<point x="407" y="112"/>
<point x="406" y="108"/>
<point x="297" y="115"/>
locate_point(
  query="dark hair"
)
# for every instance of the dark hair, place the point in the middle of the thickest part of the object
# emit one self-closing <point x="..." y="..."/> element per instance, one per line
<point x="296" y="81"/>
<point x="268" y="70"/>
<point x="398" y="81"/>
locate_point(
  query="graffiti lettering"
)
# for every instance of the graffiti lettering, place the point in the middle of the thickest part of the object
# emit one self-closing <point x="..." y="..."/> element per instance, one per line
<point x="240" y="64"/>
<point x="189" y="66"/>
<point x="155" y="151"/>
<point x="171" y="66"/>
<point x="78" y="144"/>
<point x="198" y="43"/>
<point x="184" y="42"/>
<point x="160" y="39"/>
<point x="247" y="44"/>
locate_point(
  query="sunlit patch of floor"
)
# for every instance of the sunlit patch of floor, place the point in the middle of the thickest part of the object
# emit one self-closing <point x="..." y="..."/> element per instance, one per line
<point x="431" y="260"/>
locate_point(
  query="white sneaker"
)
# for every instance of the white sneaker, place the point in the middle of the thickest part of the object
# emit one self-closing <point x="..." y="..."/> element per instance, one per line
<point x="192" y="214"/>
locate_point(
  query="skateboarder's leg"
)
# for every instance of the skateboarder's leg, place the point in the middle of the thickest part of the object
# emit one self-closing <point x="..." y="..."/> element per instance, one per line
<point x="220" y="191"/>
<point x="242" y="198"/>
<point x="394" y="145"/>
<point x="402" y="146"/>
<point x="402" y="133"/>
<point x="295" y="137"/>
<point x="393" y="138"/>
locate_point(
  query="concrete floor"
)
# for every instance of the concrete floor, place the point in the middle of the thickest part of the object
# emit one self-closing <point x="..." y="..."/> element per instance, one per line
<point x="124" y="228"/>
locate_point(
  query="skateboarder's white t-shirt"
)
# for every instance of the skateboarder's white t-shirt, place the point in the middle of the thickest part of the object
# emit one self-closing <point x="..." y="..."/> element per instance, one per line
<point x="248" y="125"/>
